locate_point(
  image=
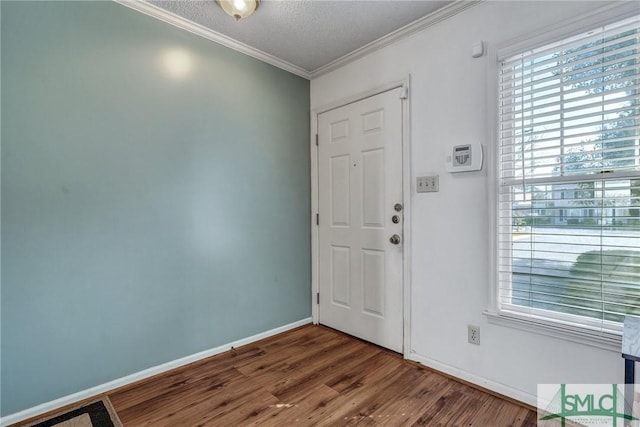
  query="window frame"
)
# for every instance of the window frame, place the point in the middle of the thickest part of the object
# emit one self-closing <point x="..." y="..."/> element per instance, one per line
<point x="559" y="327"/>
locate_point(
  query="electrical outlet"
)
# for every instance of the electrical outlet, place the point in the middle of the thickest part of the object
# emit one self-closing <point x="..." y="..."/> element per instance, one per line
<point x="474" y="334"/>
<point x="427" y="184"/>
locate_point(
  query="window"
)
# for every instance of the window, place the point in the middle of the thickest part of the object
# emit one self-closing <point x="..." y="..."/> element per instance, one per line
<point x="569" y="181"/>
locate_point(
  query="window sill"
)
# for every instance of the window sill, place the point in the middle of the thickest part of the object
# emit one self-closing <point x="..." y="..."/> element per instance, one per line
<point x="604" y="341"/>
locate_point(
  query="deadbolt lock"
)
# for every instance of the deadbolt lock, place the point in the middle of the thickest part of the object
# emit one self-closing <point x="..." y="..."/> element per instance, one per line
<point x="395" y="219"/>
<point x="397" y="207"/>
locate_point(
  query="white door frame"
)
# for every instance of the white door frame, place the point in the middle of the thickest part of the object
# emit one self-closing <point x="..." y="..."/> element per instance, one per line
<point x="406" y="202"/>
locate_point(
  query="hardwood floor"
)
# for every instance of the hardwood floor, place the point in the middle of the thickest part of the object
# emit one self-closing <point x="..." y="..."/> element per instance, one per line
<point x="311" y="376"/>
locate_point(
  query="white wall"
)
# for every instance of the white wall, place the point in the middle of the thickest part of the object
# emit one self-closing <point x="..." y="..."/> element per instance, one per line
<point x="449" y="104"/>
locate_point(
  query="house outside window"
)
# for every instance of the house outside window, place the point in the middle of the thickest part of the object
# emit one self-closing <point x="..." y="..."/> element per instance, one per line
<point x="568" y="234"/>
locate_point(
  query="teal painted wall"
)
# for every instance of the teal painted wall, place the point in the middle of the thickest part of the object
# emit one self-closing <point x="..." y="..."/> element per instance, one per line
<point x="146" y="215"/>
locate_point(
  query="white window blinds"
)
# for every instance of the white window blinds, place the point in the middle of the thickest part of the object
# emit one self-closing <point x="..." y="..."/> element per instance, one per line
<point x="569" y="179"/>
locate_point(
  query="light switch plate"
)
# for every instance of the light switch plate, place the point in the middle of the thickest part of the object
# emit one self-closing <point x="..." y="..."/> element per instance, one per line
<point x="427" y="184"/>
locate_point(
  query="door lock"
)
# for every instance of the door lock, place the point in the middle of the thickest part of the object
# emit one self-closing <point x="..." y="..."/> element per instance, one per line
<point x="397" y="207"/>
<point x="395" y="239"/>
<point x="395" y="219"/>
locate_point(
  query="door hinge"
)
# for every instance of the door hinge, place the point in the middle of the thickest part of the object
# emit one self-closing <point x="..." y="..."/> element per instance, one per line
<point x="404" y="92"/>
<point x="317" y="219"/>
<point x="316" y="139"/>
<point x="318" y="298"/>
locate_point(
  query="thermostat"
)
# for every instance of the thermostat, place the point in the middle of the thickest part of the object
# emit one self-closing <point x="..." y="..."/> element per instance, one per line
<point x="465" y="158"/>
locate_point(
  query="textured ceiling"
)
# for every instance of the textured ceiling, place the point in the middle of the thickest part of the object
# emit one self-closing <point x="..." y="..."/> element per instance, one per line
<point x="306" y="33"/>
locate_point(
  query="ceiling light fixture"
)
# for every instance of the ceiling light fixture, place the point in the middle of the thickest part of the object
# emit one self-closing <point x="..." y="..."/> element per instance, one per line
<point x="239" y="8"/>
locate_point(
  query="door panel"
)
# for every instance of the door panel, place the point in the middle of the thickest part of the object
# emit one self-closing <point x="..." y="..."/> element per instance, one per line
<point x="340" y="194"/>
<point x="373" y="273"/>
<point x="340" y="274"/>
<point x="360" y="181"/>
<point x="373" y="188"/>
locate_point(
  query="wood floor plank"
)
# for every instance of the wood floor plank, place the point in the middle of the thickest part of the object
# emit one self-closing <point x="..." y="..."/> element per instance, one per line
<point x="352" y="353"/>
<point x="344" y="381"/>
<point x="294" y="355"/>
<point x="378" y="405"/>
<point x="242" y="412"/>
<point x="470" y="405"/>
<point x="494" y="408"/>
<point x="447" y="409"/>
<point x="411" y="401"/>
<point x="349" y="404"/>
<point x="311" y="376"/>
<point x="182" y="399"/>
<point x="183" y="376"/>
<point x="296" y="411"/>
<point x="202" y="409"/>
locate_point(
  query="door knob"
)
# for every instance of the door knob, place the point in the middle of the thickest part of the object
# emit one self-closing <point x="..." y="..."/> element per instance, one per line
<point x="395" y="239"/>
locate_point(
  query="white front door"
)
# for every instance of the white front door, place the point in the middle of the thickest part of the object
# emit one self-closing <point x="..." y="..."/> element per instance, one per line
<point x="361" y="217"/>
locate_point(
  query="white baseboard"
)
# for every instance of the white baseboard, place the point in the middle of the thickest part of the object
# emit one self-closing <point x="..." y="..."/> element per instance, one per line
<point x="129" y="379"/>
<point x="502" y="389"/>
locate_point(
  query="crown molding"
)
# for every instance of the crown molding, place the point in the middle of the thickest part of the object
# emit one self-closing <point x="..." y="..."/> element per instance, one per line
<point x="418" y="25"/>
<point x="202" y="31"/>
<point x="413" y="27"/>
